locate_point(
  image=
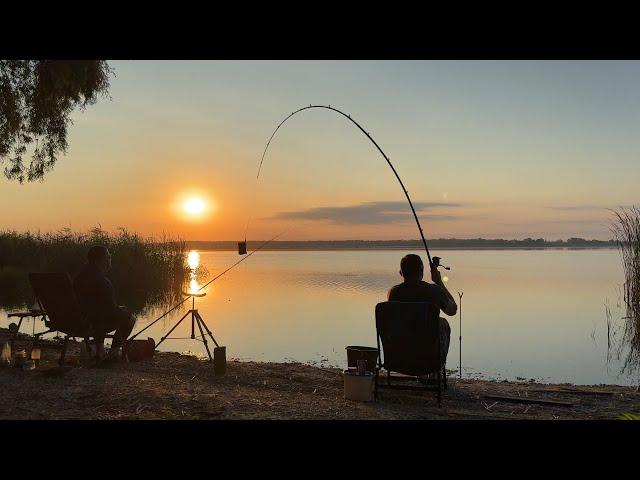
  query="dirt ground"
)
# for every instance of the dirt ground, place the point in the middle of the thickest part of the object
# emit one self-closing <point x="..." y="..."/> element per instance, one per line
<point x="175" y="386"/>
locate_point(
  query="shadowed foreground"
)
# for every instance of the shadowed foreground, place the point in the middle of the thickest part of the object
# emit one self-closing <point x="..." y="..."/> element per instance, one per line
<point x="174" y="386"/>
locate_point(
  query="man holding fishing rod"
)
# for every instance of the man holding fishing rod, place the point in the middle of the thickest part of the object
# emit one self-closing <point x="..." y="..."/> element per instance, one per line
<point x="414" y="289"/>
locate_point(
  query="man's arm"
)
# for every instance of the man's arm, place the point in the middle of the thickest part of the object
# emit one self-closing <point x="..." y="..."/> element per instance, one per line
<point x="391" y="294"/>
<point x="451" y="307"/>
<point x="108" y="298"/>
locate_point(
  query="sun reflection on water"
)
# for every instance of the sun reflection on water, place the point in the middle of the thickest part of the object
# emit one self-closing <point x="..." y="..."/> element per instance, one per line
<point x="193" y="260"/>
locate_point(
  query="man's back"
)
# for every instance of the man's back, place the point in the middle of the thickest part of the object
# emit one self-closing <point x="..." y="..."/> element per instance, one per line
<point x="93" y="291"/>
<point x="418" y="292"/>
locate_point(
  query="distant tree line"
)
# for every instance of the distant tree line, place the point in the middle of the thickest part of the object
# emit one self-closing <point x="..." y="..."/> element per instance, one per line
<point x="573" y="242"/>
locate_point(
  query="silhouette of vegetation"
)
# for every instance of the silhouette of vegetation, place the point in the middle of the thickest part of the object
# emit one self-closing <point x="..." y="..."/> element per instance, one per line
<point x="627" y="233"/>
<point x="36" y="99"/>
<point x="145" y="273"/>
<point x="440" y="243"/>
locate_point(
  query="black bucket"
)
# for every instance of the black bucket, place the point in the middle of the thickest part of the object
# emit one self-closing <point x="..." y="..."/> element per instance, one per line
<point x="355" y="353"/>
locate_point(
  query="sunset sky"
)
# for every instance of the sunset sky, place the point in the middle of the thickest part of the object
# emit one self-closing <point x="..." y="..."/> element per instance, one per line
<point x="486" y="149"/>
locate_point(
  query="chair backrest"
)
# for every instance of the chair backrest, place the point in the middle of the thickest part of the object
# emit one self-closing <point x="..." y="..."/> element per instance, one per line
<point x="410" y="335"/>
<point x="55" y="293"/>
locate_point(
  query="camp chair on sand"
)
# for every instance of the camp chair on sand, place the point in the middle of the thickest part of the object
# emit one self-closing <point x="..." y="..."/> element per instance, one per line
<point x="410" y="336"/>
<point x="56" y="297"/>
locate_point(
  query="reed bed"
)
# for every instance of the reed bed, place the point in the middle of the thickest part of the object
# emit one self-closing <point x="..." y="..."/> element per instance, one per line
<point x="627" y="234"/>
<point x="146" y="271"/>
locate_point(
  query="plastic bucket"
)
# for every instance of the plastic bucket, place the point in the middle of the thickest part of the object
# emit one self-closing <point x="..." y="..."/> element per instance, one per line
<point x="359" y="387"/>
<point x="356" y="352"/>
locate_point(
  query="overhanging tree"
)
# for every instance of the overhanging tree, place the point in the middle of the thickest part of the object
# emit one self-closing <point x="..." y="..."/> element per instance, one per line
<point x="36" y="99"/>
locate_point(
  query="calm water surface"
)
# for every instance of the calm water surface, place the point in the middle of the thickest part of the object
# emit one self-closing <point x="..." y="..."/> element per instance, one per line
<point x="526" y="313"/>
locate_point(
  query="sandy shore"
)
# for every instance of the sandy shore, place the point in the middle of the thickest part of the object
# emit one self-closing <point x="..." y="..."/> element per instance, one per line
<point x="174" y="386"/>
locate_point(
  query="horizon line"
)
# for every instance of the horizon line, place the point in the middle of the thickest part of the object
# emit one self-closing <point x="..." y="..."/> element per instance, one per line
<point x="529" y="239"/>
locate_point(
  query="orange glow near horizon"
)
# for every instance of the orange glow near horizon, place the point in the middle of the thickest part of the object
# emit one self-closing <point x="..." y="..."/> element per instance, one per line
<point x="499" y="161"/>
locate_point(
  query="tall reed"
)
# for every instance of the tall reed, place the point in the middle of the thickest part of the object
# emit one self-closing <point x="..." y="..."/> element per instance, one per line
<point x="627" y="234"/>
<point x="145" y="270"/>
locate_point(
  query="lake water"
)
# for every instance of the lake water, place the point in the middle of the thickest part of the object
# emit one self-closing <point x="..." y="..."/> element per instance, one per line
<point x="525" y="313"/>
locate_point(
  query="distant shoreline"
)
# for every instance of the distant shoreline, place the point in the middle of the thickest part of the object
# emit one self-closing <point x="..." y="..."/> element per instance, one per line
<point x="437" y="244"/>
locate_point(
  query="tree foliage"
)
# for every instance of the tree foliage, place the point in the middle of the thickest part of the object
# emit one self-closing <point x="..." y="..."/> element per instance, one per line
<point x="36" y="99"/>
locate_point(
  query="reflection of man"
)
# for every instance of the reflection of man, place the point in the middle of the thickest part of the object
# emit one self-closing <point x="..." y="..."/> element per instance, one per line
<point x="413" y="289"/>
<point x="97" y="302"/>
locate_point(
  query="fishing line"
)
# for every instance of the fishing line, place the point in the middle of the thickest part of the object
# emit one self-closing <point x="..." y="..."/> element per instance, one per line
<point x="207" y="284"/>
<point x="329" y="107"/>
<point x="253" y="201"/>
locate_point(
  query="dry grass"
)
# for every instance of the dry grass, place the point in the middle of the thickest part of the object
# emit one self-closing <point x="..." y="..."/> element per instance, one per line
<point x="182" y="387"/>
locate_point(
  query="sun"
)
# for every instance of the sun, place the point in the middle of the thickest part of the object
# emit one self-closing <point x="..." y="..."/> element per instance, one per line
<point x="194" y="206"/>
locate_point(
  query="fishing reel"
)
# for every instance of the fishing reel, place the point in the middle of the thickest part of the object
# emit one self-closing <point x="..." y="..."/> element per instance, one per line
<point x="435" y="262"/>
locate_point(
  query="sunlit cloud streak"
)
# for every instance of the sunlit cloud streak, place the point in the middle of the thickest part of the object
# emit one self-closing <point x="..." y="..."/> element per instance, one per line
<point x="370" y="213"/>
<point x="587" y="207"/>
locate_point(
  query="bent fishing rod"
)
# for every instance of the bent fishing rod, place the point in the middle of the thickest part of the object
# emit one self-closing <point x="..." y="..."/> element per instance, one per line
<point x="432" y="264"/>
<point x="205" y="285"/>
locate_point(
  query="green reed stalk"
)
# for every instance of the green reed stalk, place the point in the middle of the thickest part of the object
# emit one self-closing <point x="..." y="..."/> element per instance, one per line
<point x="627" y="234"/>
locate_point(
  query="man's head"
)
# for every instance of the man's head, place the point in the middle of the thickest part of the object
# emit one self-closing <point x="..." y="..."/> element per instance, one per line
<point x="411" y="268"/>
<point x="100" y="257"/>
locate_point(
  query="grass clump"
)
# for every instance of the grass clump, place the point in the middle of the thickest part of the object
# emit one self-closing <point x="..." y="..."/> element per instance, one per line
<point x="627" y="234"/>
<point x="629" y="416"/>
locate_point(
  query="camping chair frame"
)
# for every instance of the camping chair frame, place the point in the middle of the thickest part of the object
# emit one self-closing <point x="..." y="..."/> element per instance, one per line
<point x="63" y="349"/>
<point x="34" y="314"/>
<point x="427" y="384"/>
<point x="78" y="331"/>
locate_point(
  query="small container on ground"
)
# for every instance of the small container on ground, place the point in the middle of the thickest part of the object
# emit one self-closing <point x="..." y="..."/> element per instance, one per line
<point x="357" y="352"/>
<point x="19" y="358"/>
<point x="219" y="360"/>
<point x="359" y="387"/>
<point x="5" y="357"/>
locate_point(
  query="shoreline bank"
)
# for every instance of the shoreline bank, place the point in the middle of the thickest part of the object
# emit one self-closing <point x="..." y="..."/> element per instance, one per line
<point x="175" y="386"/>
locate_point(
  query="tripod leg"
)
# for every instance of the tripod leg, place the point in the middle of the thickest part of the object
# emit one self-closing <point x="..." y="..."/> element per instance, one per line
<point x="204" y="339"/>
<point x="172" y="329"/>
<point x="207" y="329"/>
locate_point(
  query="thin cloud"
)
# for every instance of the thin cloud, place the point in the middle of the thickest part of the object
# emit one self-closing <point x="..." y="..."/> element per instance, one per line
<point x="371" y="213"/>
<point x="583" y="221"/>
<point x="573" y="208"/>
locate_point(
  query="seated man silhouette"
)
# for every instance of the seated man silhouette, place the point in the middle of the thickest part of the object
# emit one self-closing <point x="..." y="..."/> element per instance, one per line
<point x="413" y="289"/>
<point x="96" y="297"/>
